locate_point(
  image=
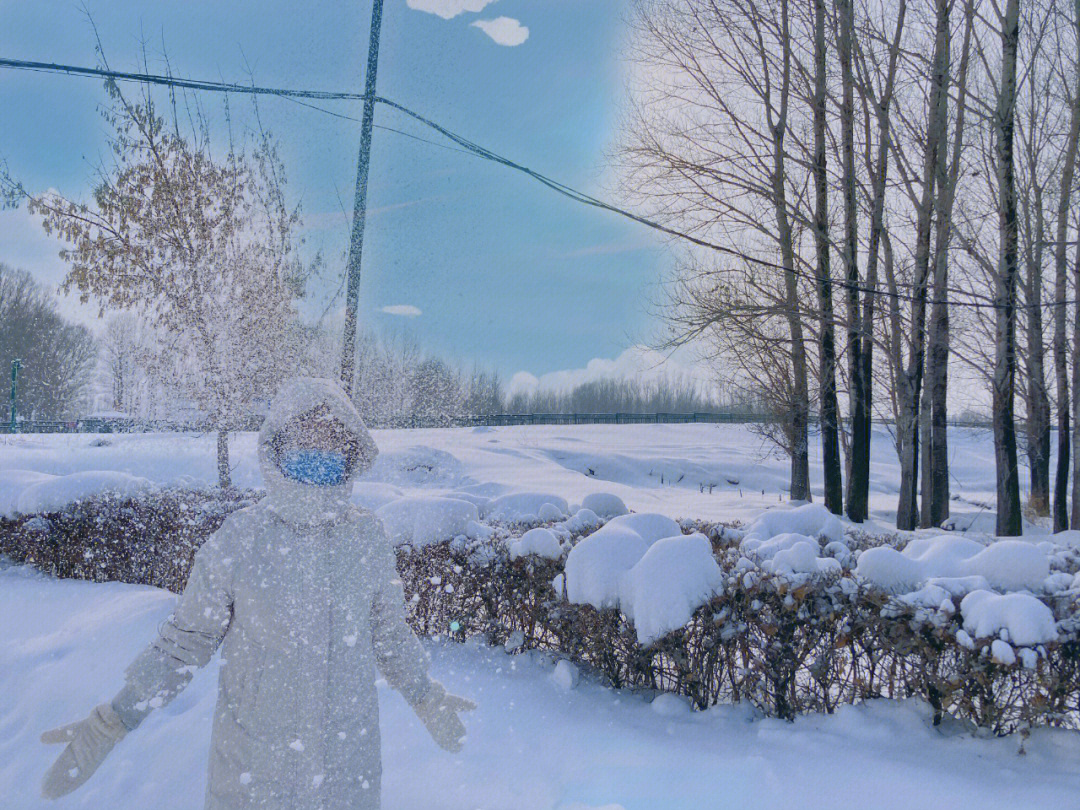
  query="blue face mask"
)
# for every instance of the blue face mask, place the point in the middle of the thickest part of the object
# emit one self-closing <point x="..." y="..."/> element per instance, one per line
<point x="321" y="468"/>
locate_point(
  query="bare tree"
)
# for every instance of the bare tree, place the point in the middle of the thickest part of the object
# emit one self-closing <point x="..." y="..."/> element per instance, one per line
<point x="829" y="409"/>
<point x="1008" y="485"/>
<point x="202" y="244"/>
<point x="707" y="147"/>
<point x="1070" y="93"/>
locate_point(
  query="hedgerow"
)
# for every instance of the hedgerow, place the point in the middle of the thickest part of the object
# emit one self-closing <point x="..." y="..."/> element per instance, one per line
<point x="787" y="645"/>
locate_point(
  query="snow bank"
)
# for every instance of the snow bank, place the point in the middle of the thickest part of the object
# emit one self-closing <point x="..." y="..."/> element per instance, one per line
<point x="418" y="465"/>
<point x="12" y="483"/>
<point x="526" y="507"/>
<point x="1004" y="564"/>
<point x="421" y="521"/>
<point x="1018" y="617"/>
<point x="540" y="542"/>
<point x="675" y="577"/>
<point x="482" y="502"/>
<point x="604" y="504"/>
<point x="373" y="494"/>
<point x="54" y="493"/>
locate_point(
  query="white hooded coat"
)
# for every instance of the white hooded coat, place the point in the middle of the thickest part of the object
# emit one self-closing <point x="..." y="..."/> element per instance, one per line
<point x="301" y="592"/>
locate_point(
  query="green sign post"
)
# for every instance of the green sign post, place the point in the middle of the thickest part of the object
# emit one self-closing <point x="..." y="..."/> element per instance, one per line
<point x="15" y="366"/>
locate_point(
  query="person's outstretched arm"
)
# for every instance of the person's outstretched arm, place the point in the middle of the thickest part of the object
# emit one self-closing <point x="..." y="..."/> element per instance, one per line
<point x="186" y="641"/>
<point x="402" y="660"/>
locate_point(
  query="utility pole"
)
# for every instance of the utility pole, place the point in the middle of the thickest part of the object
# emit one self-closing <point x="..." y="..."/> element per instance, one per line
<point x="15" y="366"/>
<point x="356" y="240"/>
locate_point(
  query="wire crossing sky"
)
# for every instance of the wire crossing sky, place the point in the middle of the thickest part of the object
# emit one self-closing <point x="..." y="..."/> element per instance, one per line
<point x="469" y="147"/>
<point x="478" y="266"/>
<point x="502" y="272"/>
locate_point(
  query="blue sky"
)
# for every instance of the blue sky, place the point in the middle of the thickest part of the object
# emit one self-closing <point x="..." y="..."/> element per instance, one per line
<point x="504" y="271"/>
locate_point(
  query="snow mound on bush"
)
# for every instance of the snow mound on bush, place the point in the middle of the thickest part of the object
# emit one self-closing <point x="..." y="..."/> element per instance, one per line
<point x="595" y="566"/>
<point x="417" y="466"/>
<point x="482" y="502"/>
<point x="675" y="577"/>
<point x="525" y="507"/>
<point x="604" y="504"/>
<point x="582" y="520"/>
<point x="420" y="521"/>
<point x="650" y="526"/>
<point x="538" y="542"/>
<point x="811" y="520"/>
<point x="1004" y="564"/>
<point x="765" y="550"/>
<point x="1012" y="565"/>
<point x="373" y="494"/>
<point x="1025" y="619"/>
<point x="56" y="493"/>
<point x="12" y="483"/>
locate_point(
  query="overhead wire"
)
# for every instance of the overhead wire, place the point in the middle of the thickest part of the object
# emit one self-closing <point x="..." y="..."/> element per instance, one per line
<point x="470" y="147"/>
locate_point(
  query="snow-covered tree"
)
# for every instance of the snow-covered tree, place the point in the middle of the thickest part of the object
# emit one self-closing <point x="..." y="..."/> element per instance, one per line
<point x="202" y="244"/>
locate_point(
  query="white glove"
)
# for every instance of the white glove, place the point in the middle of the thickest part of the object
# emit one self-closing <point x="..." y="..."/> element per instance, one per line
<point x="89" y="742"/>
<point x="438" y="712"/>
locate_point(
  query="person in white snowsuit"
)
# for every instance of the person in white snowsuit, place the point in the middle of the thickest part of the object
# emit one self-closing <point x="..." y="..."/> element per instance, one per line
<point x="301" y="593"/>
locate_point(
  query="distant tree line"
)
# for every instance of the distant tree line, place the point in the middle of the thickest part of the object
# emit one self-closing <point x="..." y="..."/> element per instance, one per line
<point x="617" y="395"/>
<point x="57" y="357"/>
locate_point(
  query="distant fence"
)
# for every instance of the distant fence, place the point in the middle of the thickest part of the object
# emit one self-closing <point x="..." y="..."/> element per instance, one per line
<point x="104" y="425"/>
<point x="509" y="419"/>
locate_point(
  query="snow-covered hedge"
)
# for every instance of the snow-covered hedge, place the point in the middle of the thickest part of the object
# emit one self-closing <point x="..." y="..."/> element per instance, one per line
<point x="783" y="619"/>
<point x="790" y="615"/>
<point x="146" y="540"/>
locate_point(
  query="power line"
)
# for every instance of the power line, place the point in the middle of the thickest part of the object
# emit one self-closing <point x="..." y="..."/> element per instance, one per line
<point x="470" y="147"/>
<point x="172" y="81"/>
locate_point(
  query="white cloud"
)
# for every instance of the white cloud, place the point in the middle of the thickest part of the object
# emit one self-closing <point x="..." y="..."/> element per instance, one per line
<point x="636" y="363"/>
<point x="448" y="8"/>
<point x="405" y="310"/>
<point x="504" y="30"/>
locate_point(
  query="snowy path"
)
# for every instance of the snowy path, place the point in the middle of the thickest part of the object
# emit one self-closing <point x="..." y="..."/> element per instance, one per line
<point x="531" y="746"/>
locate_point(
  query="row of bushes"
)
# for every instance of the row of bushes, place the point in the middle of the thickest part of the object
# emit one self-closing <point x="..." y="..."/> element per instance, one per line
<point x="785" y="648"/>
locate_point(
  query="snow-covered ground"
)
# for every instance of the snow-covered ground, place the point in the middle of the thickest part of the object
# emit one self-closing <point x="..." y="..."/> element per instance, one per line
<point x="715" y="472"/>
<point x="532" y="744"/>
<point x="536" y="741"/>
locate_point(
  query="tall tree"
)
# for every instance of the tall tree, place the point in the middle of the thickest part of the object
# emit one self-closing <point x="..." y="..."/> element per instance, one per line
<point x="203" y="244"/>
<point x="878" y="171"/>
<point x="830" y="434"/>
<point x="1004" y="379"/>
<point x="1070" y="84"/>
<point x="909" y="379"/>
